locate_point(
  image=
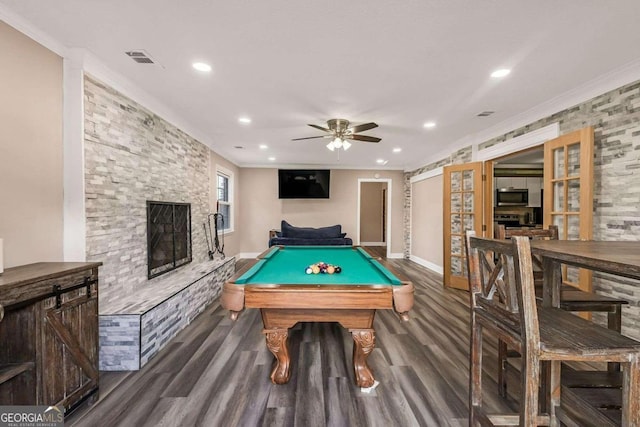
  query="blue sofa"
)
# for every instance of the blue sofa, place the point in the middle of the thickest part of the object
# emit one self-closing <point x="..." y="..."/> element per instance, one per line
<point x="290" y="235"/>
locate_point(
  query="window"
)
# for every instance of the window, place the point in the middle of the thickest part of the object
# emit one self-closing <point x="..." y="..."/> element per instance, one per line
<point x="168" y="236"/>
<point x="225" y="199"/>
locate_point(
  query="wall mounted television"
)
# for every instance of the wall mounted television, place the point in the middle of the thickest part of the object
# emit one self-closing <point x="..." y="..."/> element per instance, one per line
<point x="303" y="183"/>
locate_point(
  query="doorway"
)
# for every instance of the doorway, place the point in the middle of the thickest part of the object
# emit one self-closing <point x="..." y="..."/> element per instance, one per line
<point x="373" y="216"/>
<point x="517" y="190"/>
<point x="565" y="199"/>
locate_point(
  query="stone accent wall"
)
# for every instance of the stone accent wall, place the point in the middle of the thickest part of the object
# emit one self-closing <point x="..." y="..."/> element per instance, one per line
<point x="463" y="155"/>
<point x="615" y="117"/>
<point x="131" y="156"/>
<point x="406" y="216"/>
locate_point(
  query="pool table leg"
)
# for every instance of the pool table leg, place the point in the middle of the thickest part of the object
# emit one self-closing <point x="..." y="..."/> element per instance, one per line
<point x="364" y="340"/>
<point x="277" y="344"/>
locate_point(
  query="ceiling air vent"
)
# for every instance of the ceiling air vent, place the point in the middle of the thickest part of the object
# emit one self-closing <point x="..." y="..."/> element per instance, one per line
<point x="485" y="113"/>
<point x="140" y="56"/>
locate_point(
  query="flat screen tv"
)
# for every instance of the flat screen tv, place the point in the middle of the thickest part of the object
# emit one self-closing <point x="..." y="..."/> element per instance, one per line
<point x="303" y="183"/>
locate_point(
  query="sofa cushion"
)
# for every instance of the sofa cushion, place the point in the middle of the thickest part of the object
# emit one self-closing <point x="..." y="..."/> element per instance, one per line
<point x="290" y="231"/>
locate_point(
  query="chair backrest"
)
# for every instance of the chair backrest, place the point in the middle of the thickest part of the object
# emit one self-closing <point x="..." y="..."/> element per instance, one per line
<point x="550" y="233"/>
<point x="504" y="290"/>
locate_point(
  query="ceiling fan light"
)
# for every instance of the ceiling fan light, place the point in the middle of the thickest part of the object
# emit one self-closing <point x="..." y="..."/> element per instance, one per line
<point x="337" y="142"/>
<point x="345" y="145"/>
<point x="330" y="146"/>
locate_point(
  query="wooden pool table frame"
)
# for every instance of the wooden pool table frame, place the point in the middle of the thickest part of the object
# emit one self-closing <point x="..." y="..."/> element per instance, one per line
<point x="353" y="306"/>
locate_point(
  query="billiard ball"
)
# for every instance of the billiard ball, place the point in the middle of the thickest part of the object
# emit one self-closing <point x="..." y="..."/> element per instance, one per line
<point x="315" y="269"/>
<point x="308" y="270"/>
<point x="338" y="269"/>
<point x="331" y="269"/>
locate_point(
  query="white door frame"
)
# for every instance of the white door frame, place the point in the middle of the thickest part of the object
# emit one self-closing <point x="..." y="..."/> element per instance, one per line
<point x="519" y="143"/>
<point x="388" y="225"/>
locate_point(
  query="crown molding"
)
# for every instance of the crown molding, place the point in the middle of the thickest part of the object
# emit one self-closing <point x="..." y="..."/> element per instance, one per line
<point x="98" y="69"/>
<point x="602" y="84"/>
<point x="27" y="28"/>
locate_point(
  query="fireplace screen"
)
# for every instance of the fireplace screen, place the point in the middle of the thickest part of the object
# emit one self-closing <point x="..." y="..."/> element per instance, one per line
<point x="168" y="236"/>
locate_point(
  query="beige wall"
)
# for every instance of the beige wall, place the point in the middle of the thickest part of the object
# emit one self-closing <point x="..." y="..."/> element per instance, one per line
<point x="371" y="194"/>
<point x="261" y="210"/>
<point x="426" y="220"/>
<point x="31" y="213"/>
<point x="232" y="239"/>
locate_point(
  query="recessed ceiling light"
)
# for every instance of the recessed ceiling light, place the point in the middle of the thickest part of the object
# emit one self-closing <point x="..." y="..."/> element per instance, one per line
<point x="381" y="161"/>
<point x="500" y="73"/>
<point x="397" y="150"/>
<point x="429" y="125"/>
<point x="272" y="158"/>
<point x="244" y="120"/>
<point x="201" y="66"/>
<point x="263" y="146"/>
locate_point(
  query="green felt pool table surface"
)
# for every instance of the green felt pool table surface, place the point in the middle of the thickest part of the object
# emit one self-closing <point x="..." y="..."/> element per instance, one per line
<point x="285" y="265"/>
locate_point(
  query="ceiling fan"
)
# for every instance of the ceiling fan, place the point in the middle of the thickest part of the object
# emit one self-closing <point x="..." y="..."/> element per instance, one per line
<point x="340" y="133"/>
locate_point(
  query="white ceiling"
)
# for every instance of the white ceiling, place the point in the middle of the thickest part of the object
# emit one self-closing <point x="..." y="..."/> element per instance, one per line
<point x="287" y="63"/>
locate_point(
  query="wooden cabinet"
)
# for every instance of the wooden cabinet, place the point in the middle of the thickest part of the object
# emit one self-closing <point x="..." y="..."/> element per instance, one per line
<point x="49" y="334"/>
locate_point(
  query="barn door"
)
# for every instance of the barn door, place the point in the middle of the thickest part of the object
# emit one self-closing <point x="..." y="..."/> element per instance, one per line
<point x="568" y="193"/>
<point x="462" y="211"/>
<point x="70" y="346"/>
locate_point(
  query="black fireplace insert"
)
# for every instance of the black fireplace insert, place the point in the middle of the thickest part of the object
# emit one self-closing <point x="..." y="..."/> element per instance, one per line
<point x="168" y="236"/>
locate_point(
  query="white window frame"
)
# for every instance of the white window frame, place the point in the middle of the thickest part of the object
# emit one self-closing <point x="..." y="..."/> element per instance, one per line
<point x="220" y="170"/>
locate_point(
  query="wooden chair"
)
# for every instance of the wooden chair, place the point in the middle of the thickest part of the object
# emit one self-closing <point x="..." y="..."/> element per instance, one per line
<point x="503" y="302"/>
<point x="571" y="298"/>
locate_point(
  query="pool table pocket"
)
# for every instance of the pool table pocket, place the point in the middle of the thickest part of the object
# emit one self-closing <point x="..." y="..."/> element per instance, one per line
<point x="232" y="299"/>
<point x="403" y="299"/>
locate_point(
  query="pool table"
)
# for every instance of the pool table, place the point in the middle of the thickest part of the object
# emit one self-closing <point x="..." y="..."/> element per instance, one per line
<point x="277" y="284"/>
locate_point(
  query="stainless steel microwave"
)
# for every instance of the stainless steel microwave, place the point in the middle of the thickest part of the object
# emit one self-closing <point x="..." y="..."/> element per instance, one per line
<point x="512" y="197"/>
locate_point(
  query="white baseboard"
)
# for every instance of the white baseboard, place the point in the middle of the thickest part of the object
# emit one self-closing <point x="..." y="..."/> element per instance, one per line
<point x="396" y="255"/>
<point x="251" y="255"/>
<point x="427" y="264"/>
<point x="373" y="243"/>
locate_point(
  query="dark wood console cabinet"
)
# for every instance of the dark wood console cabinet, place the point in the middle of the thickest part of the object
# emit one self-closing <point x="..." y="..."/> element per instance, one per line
<point x="49" y="333"/>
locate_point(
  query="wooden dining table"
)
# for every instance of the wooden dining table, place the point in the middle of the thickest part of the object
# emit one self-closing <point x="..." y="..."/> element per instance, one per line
<point x="620" y="258"/>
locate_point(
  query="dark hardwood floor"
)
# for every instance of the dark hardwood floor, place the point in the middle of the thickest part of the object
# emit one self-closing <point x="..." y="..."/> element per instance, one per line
<point x="216" y="372"/>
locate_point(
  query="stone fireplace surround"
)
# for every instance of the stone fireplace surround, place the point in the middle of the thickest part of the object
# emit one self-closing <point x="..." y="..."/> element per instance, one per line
<point x="131" y="156"/>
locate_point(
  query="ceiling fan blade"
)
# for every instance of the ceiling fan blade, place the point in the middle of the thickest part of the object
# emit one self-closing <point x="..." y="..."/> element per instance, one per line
<point x="364" y="138"/>
<point x="363" y="127"/>
<point x="321" y="128"/>
<point x="311" y="137"/>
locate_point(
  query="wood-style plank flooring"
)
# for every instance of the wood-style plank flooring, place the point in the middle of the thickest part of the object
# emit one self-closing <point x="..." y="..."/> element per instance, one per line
<point x="216" y="372"/>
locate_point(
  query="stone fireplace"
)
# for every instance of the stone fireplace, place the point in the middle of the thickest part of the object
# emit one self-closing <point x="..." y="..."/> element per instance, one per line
<point x="148" y="294"/>
<point x="133" y="156"/>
